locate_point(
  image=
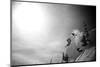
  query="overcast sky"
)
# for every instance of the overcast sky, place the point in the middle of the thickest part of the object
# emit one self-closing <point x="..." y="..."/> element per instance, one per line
<point x="40" y="30"/>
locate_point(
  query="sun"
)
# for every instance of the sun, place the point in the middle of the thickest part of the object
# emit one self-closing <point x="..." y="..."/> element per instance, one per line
<point x="29" y="18"/>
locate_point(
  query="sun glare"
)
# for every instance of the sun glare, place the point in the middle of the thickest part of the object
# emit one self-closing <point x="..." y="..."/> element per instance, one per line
<point x="29" y="18"/>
